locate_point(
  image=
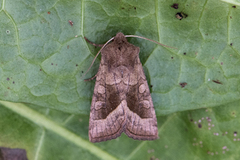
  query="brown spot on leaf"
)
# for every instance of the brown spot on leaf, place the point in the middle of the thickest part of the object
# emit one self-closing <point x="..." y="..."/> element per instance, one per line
<point x="76" y="65"/>
<point x="181" y="15"/>
<point x="175" y="6"/>
<point x="8" y="79"/>
<point x="183" y="84"/>
<point x="234" y="7"/>
<point x="67" y="46"/>
<point x="199" y="125"/>
<point x="70" y="22"/>
<point x="217" y="81"/>
<point x="171" y="57"/>
<point x="48" y="12"/>
<point x="51" y="63"/>
<point x="184" y="53"/>
<point x="13" y="82"/>
<point x="231" y="44"/>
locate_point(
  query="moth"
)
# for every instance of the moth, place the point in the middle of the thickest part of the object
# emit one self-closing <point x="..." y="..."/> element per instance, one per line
<point x="121" y="100"/>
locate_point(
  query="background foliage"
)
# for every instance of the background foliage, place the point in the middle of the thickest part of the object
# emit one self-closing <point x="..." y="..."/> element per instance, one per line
<point x="42" y="59"/>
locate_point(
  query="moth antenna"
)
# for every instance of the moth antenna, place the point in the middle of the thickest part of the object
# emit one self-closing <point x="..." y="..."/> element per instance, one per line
<point x="149" y="40"/>
<point x="96" y="56"/>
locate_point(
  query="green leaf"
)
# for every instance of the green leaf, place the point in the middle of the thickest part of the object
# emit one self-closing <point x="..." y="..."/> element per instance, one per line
<point x="43" y="58"/>
<point x="236" y="2"/>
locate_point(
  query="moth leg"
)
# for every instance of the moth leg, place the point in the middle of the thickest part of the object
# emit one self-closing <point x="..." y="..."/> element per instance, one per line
<point x="96" y="45"/>
<point x="89" y="79"/>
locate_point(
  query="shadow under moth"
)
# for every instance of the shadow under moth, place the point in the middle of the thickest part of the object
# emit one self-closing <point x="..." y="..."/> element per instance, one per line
<point x="121" y="100"/>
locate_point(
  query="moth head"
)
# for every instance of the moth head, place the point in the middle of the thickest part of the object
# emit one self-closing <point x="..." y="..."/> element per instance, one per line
<point x="120" y="38"/>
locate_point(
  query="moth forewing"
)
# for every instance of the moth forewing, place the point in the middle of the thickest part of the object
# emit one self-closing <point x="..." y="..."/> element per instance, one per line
<point x="121" y="100"/>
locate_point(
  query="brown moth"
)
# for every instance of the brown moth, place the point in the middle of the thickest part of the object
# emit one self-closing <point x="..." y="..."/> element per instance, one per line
<point x="121" y="100"/>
